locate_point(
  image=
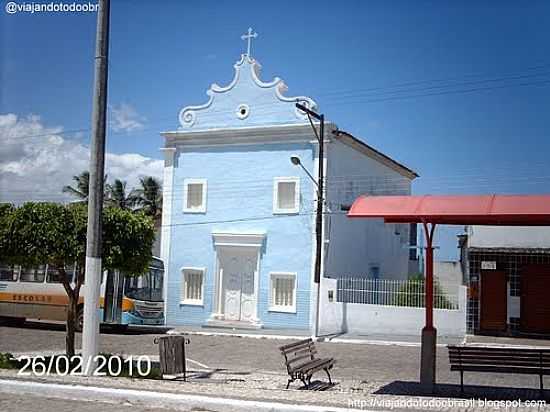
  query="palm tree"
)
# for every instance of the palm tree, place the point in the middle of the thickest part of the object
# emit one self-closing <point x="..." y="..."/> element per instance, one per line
<point x="82" y="189"/>
<point x="118" y="197"/>
<point x="82" y="186"/>
<point x="149" y="197"/>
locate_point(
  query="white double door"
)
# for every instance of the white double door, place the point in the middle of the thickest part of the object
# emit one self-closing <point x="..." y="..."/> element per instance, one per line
<point x="239" y="266"/>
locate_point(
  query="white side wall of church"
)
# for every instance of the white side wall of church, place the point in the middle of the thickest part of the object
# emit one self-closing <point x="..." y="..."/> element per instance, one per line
<point x="356" y="245"/>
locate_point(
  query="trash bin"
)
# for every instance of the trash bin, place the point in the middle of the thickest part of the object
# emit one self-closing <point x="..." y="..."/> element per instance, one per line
<point x="172" y="356"/>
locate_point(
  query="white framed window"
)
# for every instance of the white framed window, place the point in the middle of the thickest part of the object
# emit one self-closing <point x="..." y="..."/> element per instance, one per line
<point x="194" y="198"/>
<point x="286" y="195"/>
<point x="282" y="292"/>
<point x="192" y="286"/>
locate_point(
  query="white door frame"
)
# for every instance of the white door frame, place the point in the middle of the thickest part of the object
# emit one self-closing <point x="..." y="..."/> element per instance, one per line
<point x="225" y="241"/>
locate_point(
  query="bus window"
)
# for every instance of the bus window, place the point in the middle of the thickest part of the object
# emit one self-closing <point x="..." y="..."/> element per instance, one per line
<point x="8" y="273"/>
<point x="145" y="287"/>
<point x="33" y="274"/>
<point x="53" y="274"/>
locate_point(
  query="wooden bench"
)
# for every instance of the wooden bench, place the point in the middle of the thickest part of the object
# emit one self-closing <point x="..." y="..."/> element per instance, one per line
<point x="499" y="359"/>
<point x="301" y="362"/>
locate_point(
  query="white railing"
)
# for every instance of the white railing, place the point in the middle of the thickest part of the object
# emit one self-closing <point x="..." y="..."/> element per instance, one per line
<point x="407" y="293"/>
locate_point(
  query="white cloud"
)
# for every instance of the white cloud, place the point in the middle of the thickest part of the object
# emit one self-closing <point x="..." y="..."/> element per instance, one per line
<point x="37" y="161"/>
<point x="125" y="118"/>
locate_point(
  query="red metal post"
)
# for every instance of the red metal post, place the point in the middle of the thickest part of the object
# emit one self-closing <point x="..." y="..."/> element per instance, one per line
<point x="429" y="334"/>
<point x="429" y="290"/>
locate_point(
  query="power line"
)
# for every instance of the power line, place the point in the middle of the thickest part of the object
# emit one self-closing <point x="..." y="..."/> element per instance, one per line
<point x="339" y="95"/>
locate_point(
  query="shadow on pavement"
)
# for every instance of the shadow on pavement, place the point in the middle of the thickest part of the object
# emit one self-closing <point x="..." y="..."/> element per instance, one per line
<point x="318" y="386"/>
<point x="470" y="391"/>
<point x="105" y="329"/>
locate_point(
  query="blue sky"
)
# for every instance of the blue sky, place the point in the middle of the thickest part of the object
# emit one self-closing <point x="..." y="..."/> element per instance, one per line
<point x="458" y="91"/>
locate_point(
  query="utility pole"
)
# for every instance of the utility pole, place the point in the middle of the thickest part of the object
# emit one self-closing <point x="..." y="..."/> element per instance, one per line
<point x="320" y="203"/>
<point x="90" y="336"/>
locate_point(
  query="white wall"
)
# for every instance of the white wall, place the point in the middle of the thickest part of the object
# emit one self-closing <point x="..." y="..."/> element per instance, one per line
<point x="508" y="237"/>
<point x="363" y="319"/>
<point x="356" y="244"/>
<point x="448" y="274"/>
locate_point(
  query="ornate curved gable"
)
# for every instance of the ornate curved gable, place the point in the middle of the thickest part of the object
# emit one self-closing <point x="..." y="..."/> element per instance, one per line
<point x="246" y="101"/>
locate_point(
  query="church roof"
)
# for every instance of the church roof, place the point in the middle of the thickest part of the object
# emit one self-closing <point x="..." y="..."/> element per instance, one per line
<point x="370" y="151"/>
<point x="245" y="102"/>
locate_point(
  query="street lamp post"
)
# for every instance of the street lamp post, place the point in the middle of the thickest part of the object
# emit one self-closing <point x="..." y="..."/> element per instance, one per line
<point x="319" y="213"/>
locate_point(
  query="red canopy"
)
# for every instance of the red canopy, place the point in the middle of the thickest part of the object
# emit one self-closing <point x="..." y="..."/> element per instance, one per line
<point x="506" y="210"/>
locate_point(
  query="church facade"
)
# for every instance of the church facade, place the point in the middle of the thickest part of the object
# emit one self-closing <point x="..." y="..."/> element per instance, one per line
<point x="238" y="229"/>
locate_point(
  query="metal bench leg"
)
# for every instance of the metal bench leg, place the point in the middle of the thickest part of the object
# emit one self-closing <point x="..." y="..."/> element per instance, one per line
<point x="328" y="374"/>
<point x="305" y="382"/>
<point x="541" y="385"/>
<point x="461" y="382"/>
<point x="289" y="382"/>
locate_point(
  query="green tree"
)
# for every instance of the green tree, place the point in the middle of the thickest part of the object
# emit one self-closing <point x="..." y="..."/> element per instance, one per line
<point x="117" y="195"/>
<point x="54" y="234"/>
<point x="412" y="294"/>
<point x="6" y="209"/>
<point x="149" y="197"/>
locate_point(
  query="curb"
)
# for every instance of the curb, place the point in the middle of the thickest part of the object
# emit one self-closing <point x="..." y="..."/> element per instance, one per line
<point x="290" y="337"/>
<point x="155" y="399"/>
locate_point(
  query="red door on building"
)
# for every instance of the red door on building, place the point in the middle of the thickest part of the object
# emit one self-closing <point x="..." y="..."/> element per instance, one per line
<point x="535" y="299"/>
<point x="493" y="301"/>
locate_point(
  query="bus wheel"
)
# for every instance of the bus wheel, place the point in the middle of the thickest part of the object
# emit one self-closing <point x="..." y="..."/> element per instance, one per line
<point x="79" y="319"/>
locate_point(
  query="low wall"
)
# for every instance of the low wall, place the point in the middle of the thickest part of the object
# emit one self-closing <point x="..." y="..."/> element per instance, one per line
<point x="366" y="319"/>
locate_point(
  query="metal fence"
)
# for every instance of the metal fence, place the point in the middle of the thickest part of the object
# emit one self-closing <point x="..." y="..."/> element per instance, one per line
<point x="408" y="293"/>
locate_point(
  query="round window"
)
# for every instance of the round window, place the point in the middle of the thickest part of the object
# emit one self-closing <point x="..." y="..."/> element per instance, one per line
<point x="243" y="111"/>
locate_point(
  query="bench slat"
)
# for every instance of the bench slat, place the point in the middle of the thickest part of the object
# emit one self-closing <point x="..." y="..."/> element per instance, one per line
<point x="508" y="362"/>
<point x="302" y="351"/>
<point x="298" y="359"/>
<point x="495" y="349"/>
<point x="296" y="345"/>
<point x="313" y="366"/>
<point x="494" y="368"/>
<point x="504" y="354"/>
<point x="501" y="357"/>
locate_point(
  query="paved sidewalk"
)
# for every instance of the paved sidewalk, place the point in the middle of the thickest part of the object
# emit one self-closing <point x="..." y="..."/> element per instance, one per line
<point x="285" y="334"/>
<point x="506" y="341"/>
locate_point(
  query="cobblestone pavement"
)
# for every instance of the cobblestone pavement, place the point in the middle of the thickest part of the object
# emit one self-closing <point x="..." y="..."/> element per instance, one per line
<point x="252" y="368"/>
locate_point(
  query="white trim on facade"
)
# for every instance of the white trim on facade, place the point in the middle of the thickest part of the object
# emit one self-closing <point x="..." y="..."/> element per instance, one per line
<point x="292" y="210"/>
<point x="238" y="239"/>
<point x="223" y="242"/>
<point x="282" y="308"/>
<point x="202" y="207"/>
<point x="170" y="154"/>
<point x="185" y="271"/>
<point x="188" y="115"/>
<point x="269" y="134"/>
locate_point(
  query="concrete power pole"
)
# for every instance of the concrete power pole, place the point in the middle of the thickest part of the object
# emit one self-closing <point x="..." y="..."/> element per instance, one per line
<point x="93" y="271"/>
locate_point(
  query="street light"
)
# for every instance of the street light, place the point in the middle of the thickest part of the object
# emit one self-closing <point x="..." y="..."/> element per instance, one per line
<point x="295" y="160"/>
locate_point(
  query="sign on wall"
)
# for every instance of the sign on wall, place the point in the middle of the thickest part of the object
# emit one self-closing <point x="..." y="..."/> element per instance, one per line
<point x="488" y="265"/>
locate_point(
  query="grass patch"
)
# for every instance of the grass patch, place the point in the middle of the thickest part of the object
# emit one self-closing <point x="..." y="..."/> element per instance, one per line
<point x="7" y="361"/>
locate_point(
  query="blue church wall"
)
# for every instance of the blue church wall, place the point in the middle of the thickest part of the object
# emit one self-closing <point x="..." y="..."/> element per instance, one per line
<point x="240" y="181"/>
